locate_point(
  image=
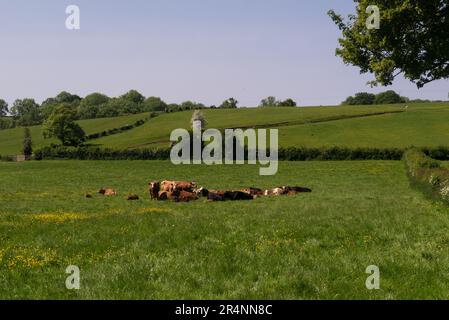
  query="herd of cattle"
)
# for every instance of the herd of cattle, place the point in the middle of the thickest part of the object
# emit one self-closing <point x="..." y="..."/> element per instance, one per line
<point x="188" y="191"/>
<point x="182" y="191"/>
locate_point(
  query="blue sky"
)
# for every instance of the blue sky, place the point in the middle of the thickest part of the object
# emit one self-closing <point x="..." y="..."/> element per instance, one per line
<point x="202" y="50"/>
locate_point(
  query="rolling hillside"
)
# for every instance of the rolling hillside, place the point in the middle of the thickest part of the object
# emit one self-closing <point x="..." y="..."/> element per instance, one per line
<point x="349" y="126"/>
<point x="360" y="126"/>
<point x="156" y="132"/>
<point x="11" y="139"/>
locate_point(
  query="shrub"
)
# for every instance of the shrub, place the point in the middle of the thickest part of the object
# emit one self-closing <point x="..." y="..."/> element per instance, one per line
<point x="427" y="174"/>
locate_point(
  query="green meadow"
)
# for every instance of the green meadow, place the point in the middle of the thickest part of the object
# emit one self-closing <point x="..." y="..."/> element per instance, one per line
<point x="310" y="246"/>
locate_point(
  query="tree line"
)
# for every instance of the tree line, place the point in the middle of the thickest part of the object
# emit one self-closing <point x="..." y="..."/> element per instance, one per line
<point x="27" y="112"/>
<point x="387" y="97"/>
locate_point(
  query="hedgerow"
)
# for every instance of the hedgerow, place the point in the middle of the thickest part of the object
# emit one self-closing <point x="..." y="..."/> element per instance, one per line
<point x="119" y="130"/>
<point x="285" y="154"/>
<point x="427" y="174"/>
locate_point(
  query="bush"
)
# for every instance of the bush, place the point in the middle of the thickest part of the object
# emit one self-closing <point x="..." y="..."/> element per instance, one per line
<point x="427" y="174"/>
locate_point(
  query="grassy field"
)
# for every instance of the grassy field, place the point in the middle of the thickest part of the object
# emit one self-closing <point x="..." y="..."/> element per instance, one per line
<point x="11" y="139"/>
<point x="157" y="131"/>
<point x="348" y="126"/>
<point x="311" y="246"/>
<point x="420" y="126"/>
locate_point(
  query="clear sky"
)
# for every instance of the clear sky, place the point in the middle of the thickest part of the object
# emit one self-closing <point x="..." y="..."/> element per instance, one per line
<point x="201" y="50"/>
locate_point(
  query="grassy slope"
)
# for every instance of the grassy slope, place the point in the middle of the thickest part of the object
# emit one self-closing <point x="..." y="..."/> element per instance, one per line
<point x="419" y="126"/>
<point x="11" y="139"/>
<point x="311" y="246"/>
<point x="157" y="131"/>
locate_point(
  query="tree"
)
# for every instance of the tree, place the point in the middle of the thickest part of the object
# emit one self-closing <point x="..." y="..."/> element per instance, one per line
<point x="173" y="107"/>
<point x="388" y="97"/>
<point x="154" y="104"/>
<point x="6" y="123"/>
<point x="95" y="99"/>
<point x="26" y="112"/>
<point x="66" y="97"/>
<point x="27" y="143"/>
<point x="231" y="103"/>
<point x="361" y="98"/>
<point x="412" y="40"/>
<point x="90" y="105"/>
<point x="269" y="102"/>
<point x="61" y="125"/>
<point x="3" y="108"/>
<point x="133" y="96"/>
<point x="287" y="103"/>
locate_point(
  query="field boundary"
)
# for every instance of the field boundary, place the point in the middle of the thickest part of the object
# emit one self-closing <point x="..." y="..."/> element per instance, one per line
<point x="285" y="154"/>
<point x="125" y="128"/>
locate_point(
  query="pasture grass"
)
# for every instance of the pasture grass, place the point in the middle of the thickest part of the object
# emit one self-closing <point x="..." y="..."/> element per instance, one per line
<point x="311" y="246"/>
<point x="420" y="127"/>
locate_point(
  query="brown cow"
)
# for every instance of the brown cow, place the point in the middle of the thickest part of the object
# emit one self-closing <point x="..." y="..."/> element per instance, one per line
<point x="184" y="186"/>
<point x="171" y="186"/>
<point x="185" y="196"/>
<point x="164" y="196"/>
<point x="107" y="192"/>
<point x="168" y="186"/>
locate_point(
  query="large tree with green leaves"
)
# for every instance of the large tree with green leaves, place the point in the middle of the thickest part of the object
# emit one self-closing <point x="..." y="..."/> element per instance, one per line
<point x="61" y="125"/>
<point x="412" y="40"/>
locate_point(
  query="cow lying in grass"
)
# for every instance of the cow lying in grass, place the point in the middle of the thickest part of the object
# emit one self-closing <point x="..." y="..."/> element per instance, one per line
<point x="286" y="191"/>
<point x="107" y="192"/>
<point x="172" y="190"/>
<point x="222" y="195"/>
